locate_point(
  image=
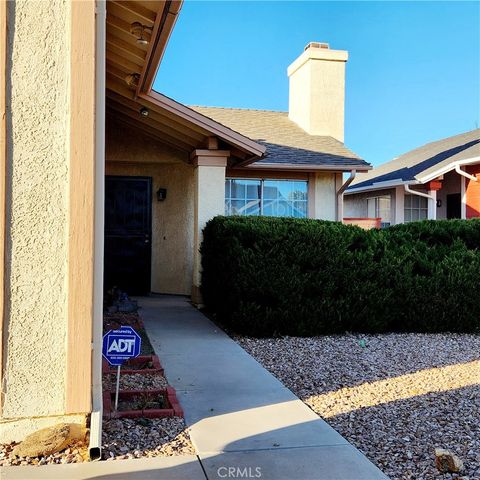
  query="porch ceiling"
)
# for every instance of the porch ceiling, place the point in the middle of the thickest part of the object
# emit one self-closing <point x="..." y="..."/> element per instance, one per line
<point x="124" y="57"/>
<point x="167" y="121"/>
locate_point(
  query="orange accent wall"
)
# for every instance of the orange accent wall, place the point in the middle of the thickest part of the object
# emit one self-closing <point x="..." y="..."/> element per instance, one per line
<point x="472" y="191"/>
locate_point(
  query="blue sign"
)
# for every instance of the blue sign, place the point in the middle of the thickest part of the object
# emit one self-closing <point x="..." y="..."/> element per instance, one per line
<point x="120" y="345"/>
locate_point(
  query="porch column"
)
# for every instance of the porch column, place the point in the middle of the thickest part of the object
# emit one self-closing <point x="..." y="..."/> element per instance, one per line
<point x="432" y="205"/>
<point x="209" y="178"/>
<point x="399" y="206"/>
<point x="432" y="188"/>
<point x="463" y="197"/>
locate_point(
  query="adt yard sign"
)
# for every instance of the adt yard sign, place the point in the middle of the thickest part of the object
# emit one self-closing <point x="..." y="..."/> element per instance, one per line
<point x="120" y="345"/>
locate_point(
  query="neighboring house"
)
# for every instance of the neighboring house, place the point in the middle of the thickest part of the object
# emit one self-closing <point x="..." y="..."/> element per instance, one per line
<point x="440" y="180"/>
<point x="111" y="183"/>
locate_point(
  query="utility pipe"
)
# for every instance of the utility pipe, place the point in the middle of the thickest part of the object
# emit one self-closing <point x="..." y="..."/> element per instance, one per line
<point x="459" y="170"/>
<point x="420" y="194"/>
<point x="95" y="446"/>
<point x="350" y="179"/>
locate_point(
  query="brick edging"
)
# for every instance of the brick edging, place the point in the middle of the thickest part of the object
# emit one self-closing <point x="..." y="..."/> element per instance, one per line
<point x="175" y="409"/>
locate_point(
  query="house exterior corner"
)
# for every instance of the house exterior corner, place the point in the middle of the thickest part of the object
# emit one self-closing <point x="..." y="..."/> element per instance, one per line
<point x="47" y="321"/>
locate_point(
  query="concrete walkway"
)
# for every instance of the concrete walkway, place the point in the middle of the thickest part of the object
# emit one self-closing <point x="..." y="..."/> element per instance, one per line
<point x="244" y="423"/>
<point x="186" y="467"/>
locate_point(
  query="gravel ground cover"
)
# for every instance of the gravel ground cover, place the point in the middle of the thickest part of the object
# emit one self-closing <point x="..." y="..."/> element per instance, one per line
<point x="122" y="438"/>
<point x="395" y="397"/>
<point x="76" y="453"/>
<point x="142" y="437"/>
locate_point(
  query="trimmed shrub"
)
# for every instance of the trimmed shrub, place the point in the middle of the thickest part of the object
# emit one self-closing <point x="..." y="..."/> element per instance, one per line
<point x="265" y="276"/>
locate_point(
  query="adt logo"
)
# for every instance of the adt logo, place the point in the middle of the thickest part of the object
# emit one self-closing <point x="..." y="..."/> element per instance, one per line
<point x="120" y="345"/>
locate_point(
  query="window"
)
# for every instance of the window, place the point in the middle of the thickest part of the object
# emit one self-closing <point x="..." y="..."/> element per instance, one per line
<point x="379" y="207"/>
<point x="416" y="208"/>
<point x="274" y="198"/>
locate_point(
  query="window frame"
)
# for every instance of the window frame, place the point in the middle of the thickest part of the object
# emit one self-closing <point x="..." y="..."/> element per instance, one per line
<point x="377" y="199"/>
<point x="411" y="208"/>
<point x="262" y="181"/>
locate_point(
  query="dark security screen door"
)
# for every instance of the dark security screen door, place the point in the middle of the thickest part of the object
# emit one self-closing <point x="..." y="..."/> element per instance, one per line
<point x="128" y="229"/>
<point x="454" y="206"/>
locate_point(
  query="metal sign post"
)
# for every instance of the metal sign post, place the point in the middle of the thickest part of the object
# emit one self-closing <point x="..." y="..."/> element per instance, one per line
<point x="118" y="346"/>
<point x="117" y="388"/>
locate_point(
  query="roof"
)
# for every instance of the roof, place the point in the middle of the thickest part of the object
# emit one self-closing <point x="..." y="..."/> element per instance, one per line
<point x="418" y="165"/>
<point x="286" y="142"/>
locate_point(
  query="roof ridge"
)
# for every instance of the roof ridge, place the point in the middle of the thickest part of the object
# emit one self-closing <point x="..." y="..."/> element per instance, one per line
<point x="238" y="108"/>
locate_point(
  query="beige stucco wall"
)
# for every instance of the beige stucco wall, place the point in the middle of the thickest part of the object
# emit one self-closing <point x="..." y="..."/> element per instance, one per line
<point x="37" y="221"/>
<point x="122" y="144"/>
<point x="131" y="154"/>
<point x="209" y="202"/>
<point x="324" y="189"/>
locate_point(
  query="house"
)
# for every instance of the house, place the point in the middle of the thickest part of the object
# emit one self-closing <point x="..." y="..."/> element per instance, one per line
<point x="439" y="180"/>
<point x="107" y="182"/>
<point x="255" y="163"/>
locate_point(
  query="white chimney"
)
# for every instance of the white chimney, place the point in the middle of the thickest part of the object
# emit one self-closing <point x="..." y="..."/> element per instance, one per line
<point x="317" y="90"/>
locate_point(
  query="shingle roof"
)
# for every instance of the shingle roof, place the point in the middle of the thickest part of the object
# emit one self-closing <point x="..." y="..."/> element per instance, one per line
<point x="286" y="142"/>
<point x="417" y="164"/>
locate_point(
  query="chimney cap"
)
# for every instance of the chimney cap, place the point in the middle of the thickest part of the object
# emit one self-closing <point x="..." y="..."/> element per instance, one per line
<point x="317" y="45"/>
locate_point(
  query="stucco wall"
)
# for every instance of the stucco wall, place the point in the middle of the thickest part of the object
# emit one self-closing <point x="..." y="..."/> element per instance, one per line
<point x="325" y="195"/>
<point x="37" y="222"/>
<point x="209" y="202"/>
<point x="132" y="154"/>
<point x="356" y="205"/>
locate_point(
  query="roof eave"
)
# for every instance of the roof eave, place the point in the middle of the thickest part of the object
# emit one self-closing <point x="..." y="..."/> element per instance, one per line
<point x="162" y="29"/>
<point x="381" y="186"/>
<point x="304" y="167"/>
<point x="418" y="180"/>
<point x="254" y="150"/>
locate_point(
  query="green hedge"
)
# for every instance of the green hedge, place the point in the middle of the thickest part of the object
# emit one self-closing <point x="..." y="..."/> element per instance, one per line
<point x="281" y="276"/>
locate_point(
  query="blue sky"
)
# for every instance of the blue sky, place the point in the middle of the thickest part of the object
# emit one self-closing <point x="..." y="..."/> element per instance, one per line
<point x="413" y="75"/>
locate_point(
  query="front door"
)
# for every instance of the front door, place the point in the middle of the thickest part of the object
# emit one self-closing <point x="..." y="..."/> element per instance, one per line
<point x="454" y="206"/>
<point x="128" y="229"/>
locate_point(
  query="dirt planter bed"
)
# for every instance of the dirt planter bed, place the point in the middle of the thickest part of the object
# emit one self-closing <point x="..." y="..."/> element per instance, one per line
<point x="153" y="403"/>
<point x="395" y="397"/>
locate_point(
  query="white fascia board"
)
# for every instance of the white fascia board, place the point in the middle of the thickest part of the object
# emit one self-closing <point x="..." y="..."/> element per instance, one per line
<point x="447" y="168"/>
<point x="380" y="186"/>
